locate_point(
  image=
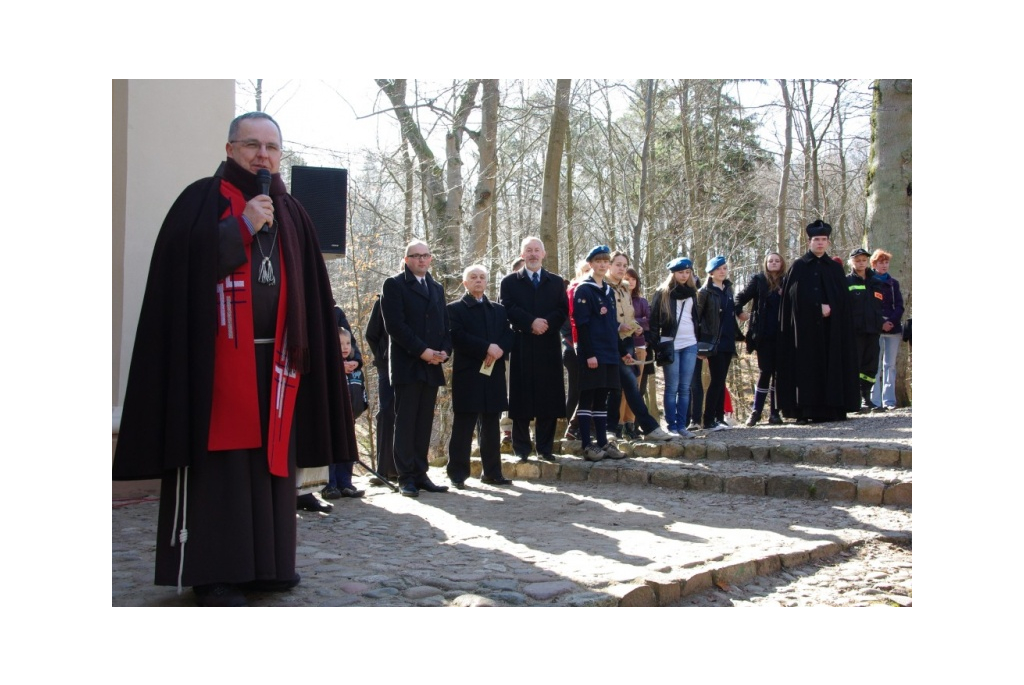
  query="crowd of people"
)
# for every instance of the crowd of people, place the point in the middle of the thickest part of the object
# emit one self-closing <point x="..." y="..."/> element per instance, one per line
<point x="246" y="378"/>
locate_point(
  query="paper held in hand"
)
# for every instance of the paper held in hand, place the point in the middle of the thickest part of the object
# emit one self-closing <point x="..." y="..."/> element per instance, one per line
<point x="486" y="370"/>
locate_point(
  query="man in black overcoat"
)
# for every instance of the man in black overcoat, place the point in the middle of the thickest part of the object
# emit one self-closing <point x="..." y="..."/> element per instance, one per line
<point x="236" y="376"/>
<point x="481" y="339"/>
<point x="817" y="368"/>
<point x="537" y="305"/>
<point x="416" y="320"/>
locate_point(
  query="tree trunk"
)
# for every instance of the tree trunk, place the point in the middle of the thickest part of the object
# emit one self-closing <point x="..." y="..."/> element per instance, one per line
<point x="450" y="240"/>
<point x="484" y="193"/>
<point x="889" y="224"/>
<point x="410" y="183"/>
<point x="570" y="237"/>
<point x="781" y="235"/>
<point x="645" y="159"/>
<point x="553" y="172"/>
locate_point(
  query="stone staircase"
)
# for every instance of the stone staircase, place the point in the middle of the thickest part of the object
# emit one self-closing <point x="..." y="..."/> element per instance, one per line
<point x="866" y="475"/>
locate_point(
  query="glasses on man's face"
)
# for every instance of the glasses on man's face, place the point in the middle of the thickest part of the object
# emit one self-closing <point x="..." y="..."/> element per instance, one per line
<point x="253" y="146"/>
<point x="425" y="255"/>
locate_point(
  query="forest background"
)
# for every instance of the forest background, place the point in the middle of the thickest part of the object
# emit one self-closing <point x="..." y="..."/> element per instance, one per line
<point x="657" y="168"/>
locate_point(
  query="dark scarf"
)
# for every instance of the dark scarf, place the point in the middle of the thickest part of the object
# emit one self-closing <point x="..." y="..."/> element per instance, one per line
<point x="287" y="214"/>
<point x="682" y="291"/>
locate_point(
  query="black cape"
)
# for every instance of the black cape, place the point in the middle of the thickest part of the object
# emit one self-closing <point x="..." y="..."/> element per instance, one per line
<point x="817" y="368"/>
<point x="166" y="416"/>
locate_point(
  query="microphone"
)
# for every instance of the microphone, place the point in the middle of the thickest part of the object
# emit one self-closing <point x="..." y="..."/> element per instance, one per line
<point x="263" y="178"/>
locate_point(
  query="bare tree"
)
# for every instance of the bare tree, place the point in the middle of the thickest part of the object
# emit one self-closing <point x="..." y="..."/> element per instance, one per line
<point x="781" y="241"/>
<point x="443" y="205"/>
<point x="553" y="172"/>
<point x="486" y="141"/>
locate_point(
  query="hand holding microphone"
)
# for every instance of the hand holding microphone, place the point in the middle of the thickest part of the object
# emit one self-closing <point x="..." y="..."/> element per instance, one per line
<point x="260" y="209"/>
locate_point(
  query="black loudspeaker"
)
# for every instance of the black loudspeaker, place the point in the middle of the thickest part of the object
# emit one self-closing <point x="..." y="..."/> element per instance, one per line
<point x="323" y="191"/>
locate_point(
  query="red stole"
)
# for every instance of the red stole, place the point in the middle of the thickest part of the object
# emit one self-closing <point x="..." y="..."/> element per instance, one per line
<point x="235" y="415"/>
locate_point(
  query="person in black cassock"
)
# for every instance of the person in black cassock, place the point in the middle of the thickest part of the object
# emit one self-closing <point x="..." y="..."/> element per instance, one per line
<point x="817" y="368"/>
<point x="236" y="377"/>
<point x="481" y="340"/>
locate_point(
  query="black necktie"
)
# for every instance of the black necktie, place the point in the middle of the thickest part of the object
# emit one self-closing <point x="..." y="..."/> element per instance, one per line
<point x="536" y="279"/>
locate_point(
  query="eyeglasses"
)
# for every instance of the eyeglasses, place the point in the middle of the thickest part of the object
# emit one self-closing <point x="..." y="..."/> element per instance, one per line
<point x="254" y="146"/>
<point x="418" y="256"/>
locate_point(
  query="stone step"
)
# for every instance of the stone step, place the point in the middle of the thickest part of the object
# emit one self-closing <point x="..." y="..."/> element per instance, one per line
<point x="791" y="452"/>
<point x="871" y="485"/>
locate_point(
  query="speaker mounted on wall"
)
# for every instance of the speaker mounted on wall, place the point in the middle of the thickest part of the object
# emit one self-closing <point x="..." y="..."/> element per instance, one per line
<point x="323" y="191"/>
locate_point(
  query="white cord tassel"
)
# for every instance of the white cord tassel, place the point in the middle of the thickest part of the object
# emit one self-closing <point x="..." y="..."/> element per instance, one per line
<point x="180" y="502"/>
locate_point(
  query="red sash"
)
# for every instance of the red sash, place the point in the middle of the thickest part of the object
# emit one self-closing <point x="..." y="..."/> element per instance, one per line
<point x="235" y="415"/>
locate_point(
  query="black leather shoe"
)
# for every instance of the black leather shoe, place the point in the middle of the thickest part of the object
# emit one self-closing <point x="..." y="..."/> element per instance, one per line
<point x="271" y="585"/>
<point x="523" y="458"/>
<point x="409" y="490"/>
<point x="219" y="595"/>
<point x="549" y="458"/>
<point x="330" y="493"/>
<point x="459" y="484"/>
<point x="309" y="502"/>
<point x="500" y="480"/>
<point x="775" y="419"/>
<point x="803" y="422"/>
<point x="352" y="491"/>
<point x="430" y="487"/>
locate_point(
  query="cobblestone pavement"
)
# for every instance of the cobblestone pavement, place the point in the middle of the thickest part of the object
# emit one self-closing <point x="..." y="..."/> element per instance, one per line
<point x="875" y="573"/>
<point x="544" y="543"/>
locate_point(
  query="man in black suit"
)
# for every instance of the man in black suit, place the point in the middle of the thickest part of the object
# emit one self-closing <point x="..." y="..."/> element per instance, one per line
<point x="537" y="306"/>
<point x="481" y="338"/>
<point x="416" y="319"/>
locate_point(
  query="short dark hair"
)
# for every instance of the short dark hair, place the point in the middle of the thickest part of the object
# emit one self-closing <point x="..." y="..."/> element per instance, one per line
<point x="237" y="121"/>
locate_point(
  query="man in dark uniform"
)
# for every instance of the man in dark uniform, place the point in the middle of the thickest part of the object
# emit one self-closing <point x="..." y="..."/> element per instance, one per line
<point x="481" y="339"/>
<point x="817" y="370"/>
<point x="416" y="319"/>
<point x="537" y="305"/>
<point x="866" y="312"/>
<point x="222" y="402"/>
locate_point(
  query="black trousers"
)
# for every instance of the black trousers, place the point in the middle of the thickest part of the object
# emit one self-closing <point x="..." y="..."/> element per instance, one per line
<point x="386" y="426"/>
<point x="697" y="392"/>
<point x="714" y="405"/>
<point x="414" y="419"/>
<point x="459" y="447"/>
<point x="572" y="372"/>
<point x="634" y="400"/>
<point x="545" y="433"/>
<point x="867" y="356"/>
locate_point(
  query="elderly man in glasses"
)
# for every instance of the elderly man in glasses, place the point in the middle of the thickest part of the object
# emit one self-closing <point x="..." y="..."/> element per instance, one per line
<point x="223" y="402"/>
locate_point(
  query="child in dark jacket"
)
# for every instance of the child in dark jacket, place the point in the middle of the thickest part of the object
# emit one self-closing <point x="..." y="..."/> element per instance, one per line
<point x="340" y="483"/>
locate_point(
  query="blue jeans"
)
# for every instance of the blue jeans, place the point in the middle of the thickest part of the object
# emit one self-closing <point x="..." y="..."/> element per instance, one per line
<point x="678" y="377"/>
<point x="884" y="391"/>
